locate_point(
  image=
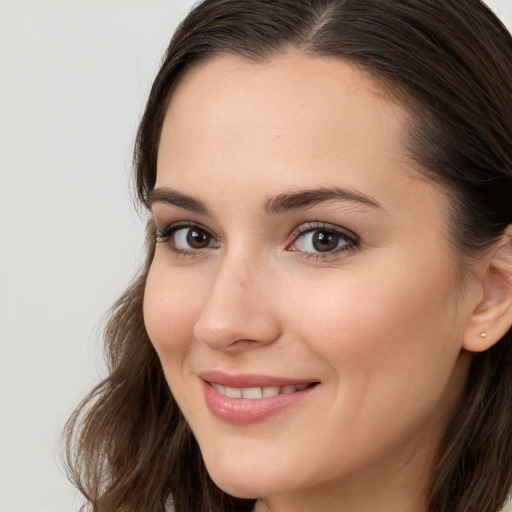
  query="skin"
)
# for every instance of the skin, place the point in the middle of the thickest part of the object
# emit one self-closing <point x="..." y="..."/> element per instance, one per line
<point x="380" y="324"/>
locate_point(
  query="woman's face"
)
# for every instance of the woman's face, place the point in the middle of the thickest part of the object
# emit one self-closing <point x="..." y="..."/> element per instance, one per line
<point x="304" y="268"/>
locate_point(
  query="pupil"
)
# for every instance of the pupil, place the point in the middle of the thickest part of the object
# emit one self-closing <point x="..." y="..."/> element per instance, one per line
<point x="198" y="239"/>
<point x="323" y="241"/>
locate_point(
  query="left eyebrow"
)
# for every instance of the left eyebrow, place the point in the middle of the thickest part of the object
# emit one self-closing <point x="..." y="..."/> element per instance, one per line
<point x="307" y="198"/>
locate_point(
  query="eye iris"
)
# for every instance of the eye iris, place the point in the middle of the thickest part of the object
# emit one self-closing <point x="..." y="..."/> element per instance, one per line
<point x="325" y="241"/>
<point x="198" y="239"/>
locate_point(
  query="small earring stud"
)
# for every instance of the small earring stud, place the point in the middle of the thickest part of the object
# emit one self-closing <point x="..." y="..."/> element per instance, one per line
<point x="483" y="335"/>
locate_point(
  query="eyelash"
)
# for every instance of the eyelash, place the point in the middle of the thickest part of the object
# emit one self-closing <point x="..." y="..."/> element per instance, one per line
<point x="351" y="239"/>
<point x="164" y="236"/>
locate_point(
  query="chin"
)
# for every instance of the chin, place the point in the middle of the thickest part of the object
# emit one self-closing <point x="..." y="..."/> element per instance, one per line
<point x="243" y="480"/>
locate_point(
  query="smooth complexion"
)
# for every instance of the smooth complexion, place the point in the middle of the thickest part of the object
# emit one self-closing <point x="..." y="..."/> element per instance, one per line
<point x="376" y="319"/>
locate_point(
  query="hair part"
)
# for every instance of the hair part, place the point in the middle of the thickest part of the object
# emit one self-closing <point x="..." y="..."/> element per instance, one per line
<point x="450" y="63"/>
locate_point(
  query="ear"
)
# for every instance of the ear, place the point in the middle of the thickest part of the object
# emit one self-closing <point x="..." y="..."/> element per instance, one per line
<point x="492" y="317"/>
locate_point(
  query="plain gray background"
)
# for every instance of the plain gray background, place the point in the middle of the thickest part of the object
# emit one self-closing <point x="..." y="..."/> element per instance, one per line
<point x="74" y="75"/>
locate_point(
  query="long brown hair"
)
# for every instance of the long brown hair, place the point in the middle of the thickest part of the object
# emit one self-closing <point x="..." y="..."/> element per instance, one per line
<point x="129" y="449"/>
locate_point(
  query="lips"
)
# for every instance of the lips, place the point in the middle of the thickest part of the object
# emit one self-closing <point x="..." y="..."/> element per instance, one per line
<point x="245" y="399"/>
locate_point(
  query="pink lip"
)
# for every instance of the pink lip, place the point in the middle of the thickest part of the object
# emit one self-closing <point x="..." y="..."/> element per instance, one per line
<point x="246" y="411"/>
<point x="250" y="380"/>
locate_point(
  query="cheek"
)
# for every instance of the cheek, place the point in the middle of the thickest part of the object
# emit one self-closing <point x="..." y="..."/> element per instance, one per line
<point x="375" y="329"/>
<point x="170" y="311"/>
<point x="389" y="350"/>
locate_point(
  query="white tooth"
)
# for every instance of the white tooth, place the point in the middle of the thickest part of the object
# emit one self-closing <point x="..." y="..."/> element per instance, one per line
<point x="234" y="392"/>
<point x="219" y="388"/>
<point x="271" y="391"/>
<point x="252" y="393"/>
<point x="288" y="389"/>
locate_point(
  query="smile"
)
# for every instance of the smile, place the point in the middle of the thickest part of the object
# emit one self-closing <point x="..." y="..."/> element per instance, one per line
<point x="256" y="393"/>
<point x="250" y="399"/>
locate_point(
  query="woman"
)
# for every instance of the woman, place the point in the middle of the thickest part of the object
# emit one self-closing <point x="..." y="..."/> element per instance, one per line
<point x="328" y="289"/>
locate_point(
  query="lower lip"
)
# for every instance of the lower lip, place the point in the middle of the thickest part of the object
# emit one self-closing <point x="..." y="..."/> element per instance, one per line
<point x="244" y="411"/>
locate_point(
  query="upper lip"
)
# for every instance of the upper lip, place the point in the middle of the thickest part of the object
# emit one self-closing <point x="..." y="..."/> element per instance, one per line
<point x="250" y="380"/>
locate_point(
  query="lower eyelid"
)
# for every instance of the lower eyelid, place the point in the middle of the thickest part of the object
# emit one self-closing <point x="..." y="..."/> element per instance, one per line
<point x="172" y="228"/>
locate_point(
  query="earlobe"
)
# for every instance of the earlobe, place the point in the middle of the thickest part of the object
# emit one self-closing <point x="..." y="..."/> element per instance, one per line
<point x="492" y="316"/>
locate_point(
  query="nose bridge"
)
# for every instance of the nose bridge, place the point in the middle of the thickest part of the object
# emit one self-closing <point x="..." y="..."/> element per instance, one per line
<point x="236" y="272"/>
<point x="236" y="308"/>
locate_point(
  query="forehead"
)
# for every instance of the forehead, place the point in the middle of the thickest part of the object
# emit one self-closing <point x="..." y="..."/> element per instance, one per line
<point x="288" y="103"/>
<point x="295" y="71"/>
<point x="293" y="107"/>
<point x="249" y="130"/>
<point x="227" y="96"/>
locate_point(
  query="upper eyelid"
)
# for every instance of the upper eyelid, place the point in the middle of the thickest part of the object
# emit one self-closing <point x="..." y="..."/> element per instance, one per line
<point x="183" y="224"/>
<point x="162" y="234"/>
<point x="316" y="225"/>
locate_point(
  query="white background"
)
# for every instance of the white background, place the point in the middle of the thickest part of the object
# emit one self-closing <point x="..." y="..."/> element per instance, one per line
<point x="74" y="75"/>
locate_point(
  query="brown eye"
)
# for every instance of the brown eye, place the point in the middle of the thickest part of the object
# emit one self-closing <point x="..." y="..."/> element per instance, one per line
<point x="325" y="241"/>
<point x="188" y="238"/>
<point x="197" y="238"/>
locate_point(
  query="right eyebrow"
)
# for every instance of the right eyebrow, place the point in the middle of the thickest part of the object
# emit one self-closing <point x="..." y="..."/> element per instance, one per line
<point x="304" y="199"/>
<point x="169" y="196"/>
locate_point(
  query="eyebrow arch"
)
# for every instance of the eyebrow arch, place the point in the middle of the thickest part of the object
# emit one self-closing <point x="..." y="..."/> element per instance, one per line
<point x="169" y="196"/>
<point x="308" y="198"/>
<point x="278" y="204"/>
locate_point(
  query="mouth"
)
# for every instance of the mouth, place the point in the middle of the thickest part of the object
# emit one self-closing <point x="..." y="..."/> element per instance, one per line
<point x="255" y="393"/>
<point x="246" y="399"/>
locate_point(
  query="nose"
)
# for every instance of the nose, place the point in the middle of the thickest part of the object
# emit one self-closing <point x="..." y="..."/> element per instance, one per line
<point x="238" y="312"/>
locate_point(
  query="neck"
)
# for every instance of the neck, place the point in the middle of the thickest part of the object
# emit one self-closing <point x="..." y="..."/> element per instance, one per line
<point x="373" y="500"/>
